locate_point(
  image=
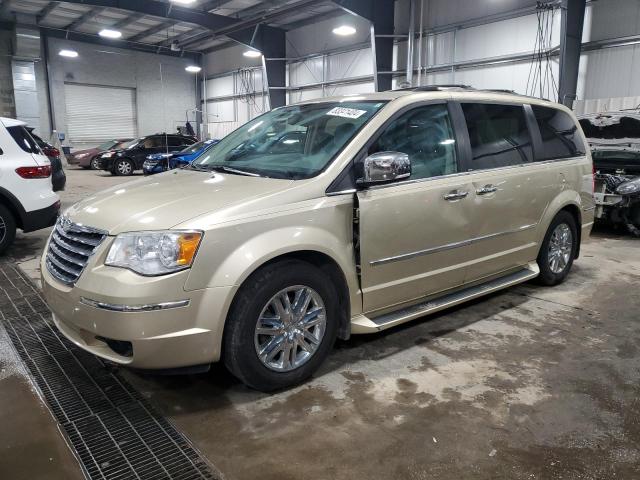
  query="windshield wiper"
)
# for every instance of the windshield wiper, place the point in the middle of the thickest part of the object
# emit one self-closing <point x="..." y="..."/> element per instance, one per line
<point x="236" y="171"/>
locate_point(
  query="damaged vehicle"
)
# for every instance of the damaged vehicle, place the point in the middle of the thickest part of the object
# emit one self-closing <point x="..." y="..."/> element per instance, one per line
<point x="614" y="138"/>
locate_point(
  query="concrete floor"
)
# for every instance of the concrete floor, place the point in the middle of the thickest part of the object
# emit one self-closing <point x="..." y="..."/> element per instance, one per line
<point x="528" y="383"/>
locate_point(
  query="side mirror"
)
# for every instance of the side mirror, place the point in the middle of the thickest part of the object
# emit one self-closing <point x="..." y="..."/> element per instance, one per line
<point x="383" y="167"/>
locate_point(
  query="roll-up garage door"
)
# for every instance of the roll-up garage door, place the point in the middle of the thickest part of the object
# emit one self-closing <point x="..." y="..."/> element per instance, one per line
<point x="96" y="113"/>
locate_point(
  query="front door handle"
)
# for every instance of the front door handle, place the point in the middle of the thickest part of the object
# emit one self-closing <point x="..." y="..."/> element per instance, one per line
<point x="487" y="189"/>
<point x="455" y="195"/>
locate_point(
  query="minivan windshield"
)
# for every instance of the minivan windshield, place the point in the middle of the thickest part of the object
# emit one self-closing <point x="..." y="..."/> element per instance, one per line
<point x="292" y="142"/>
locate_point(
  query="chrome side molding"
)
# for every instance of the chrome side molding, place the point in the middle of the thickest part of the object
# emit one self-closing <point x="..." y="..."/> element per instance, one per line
<point x="448" y="246"/>
<point x="152" y="307"/>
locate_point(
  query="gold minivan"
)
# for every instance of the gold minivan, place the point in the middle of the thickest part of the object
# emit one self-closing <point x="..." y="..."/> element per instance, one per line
<point x="320" y="220"/>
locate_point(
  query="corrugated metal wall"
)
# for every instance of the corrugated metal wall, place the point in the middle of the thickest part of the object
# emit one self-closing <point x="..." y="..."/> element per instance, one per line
<point x="457" y="48"/>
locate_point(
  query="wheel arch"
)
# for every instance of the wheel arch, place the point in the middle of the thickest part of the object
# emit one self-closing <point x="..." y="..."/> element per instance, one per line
<point x="326" y="264"/>
<point x="574" y="210"/>
<point x="11" y="202"/>
<point x="570" y="202"/>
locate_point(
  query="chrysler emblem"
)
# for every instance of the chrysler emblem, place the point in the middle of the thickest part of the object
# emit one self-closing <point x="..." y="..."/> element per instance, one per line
<point x="65" y="224"/>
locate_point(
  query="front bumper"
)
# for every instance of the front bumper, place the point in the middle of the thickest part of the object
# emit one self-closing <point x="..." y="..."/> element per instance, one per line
<point x="156" y="339"/>
<point x="151" y="167"/>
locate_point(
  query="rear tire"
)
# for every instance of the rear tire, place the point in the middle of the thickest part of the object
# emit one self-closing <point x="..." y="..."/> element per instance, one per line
<point x="123" y="167"/>
<point x="301" y="338"/>
<point x="7" y="228"/>
<point x="558" y="249"/>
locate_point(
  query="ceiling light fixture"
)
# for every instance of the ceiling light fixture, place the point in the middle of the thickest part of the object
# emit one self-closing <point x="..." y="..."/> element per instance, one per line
<point x="252" y="53"/>
<point x="193" y="69"/>
<point x="184" y="2"/>
<point x="108" y="33"/>
<point x="68" y="53"/>
<point x="344" y="30"/>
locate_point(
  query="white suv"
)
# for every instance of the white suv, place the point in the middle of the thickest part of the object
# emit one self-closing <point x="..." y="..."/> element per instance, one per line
<point x="27" y="200"/>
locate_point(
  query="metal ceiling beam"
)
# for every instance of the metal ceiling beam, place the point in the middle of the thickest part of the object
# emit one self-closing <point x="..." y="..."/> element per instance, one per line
<point x="213" y="5"/>
<point x="381" y="15"/>
<point x="570" y="46"/>
<point x="126" y="21"/>
<point x="86" y="17"/>
<point x="249" y="21"/>
<point x="338" y="12"/>
<point x="42" y="14"/>
<point x="152" y="31"/>
<point x="113" y="43"/>
<point x="154" y="8"/>
<point x="289" y="26"/>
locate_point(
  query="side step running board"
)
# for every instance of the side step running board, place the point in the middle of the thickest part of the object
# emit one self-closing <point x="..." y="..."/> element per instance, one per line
<point x="364" y="324"/>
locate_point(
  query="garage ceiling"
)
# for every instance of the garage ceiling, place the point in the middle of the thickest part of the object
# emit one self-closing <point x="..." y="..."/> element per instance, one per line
<point x="77" y="18"/>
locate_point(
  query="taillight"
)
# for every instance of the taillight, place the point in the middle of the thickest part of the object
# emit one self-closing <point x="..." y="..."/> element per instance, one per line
<point x="34" y="172"/>
<point x="51" y="152"/>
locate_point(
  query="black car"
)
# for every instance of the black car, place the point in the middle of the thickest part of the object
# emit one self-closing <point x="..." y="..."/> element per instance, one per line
<point x="58" y="177"/>
<point x="127" y="160"/>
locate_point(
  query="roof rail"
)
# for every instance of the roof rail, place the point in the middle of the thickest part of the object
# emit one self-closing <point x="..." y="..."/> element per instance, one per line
<point x="435" y="88"/>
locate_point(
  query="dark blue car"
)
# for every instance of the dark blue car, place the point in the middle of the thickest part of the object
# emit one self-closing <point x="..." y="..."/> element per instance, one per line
<point x="161" y="162"/>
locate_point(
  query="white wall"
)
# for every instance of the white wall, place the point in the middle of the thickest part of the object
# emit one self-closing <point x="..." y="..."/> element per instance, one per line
<point x="484" y="55"/>
<point x="164" y="90"/>
<point x="608" y="77"/>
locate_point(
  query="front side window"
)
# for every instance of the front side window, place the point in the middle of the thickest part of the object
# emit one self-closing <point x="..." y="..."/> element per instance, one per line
<point x="175" y="141"/>
<point x="498" y="134"/>
<point x="24" y="140"/>
<point x="153" y="142"/>
<point x="560" y="136"/>
<point x="293" y="142"/>
<point x="426" y="135"/>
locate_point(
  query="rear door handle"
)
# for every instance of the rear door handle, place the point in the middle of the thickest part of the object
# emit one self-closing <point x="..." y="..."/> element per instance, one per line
<point x="455" y="195"/>
<point x="486" y="190"/>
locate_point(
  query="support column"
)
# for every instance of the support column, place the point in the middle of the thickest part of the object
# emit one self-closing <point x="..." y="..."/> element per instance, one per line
<point x="271" y="42"/>
<point x="381" y="14"/>
<point x="570" y="45"/>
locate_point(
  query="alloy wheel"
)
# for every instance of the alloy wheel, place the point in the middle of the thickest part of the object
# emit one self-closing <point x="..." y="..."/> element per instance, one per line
<point x="290" y="328"/>
<point x="124" y="168"/>
<point x="94" y="164"/>
<point x="560" y="248"/>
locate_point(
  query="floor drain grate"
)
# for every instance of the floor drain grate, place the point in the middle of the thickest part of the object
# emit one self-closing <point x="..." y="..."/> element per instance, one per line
<point x="116" y="433"/>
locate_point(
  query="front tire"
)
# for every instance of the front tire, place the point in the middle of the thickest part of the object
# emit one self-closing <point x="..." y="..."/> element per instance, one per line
<point x="7" y="228"/>
<point x="281" y="326"/>
<point x="95" y="164"/>
<point x="123" y="167"/>
<point x="558" y="249"/>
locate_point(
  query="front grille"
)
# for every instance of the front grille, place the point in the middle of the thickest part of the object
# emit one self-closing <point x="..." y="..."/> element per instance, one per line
<point x="70" y="247"/>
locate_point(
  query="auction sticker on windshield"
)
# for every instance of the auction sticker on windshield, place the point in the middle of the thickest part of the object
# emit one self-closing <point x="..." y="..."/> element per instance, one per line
<point x="346" y="112"/>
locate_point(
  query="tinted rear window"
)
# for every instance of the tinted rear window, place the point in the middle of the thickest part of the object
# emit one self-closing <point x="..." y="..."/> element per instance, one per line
<point x="499" y="135"/>
<point x="560" y="136"/>
<point x="24" y="140"/>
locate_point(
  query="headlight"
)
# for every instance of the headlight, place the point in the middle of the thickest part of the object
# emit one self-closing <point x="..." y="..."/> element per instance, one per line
<point x="107" y="155"/>
<point x="154" y="253"/>
<point x="629" y="188"/>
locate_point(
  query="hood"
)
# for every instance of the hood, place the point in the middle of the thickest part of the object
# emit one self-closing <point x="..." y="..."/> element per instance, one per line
<point x="169" y="199"/>
<point x="80" y="152"/>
